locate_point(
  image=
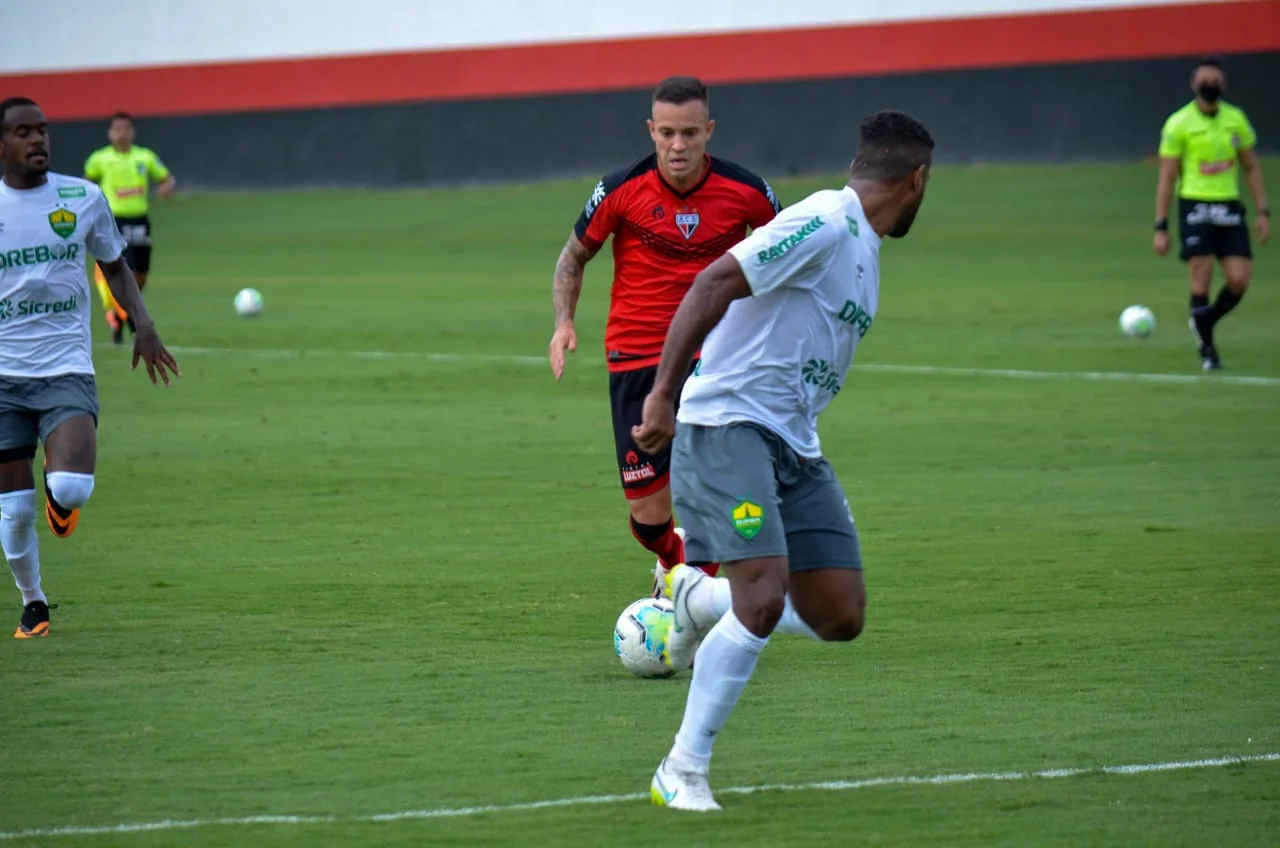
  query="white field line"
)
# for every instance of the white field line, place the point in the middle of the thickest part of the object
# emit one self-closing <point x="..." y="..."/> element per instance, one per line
<point x="591" y="800"/>
<point x="883" y="368"/>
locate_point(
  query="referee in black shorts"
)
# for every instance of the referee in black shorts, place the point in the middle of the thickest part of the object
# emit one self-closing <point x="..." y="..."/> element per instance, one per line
<point x="1200" y="148"/>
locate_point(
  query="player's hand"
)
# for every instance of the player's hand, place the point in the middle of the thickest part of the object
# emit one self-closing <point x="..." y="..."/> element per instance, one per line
<point x="148" y="348"/>
<point x="1262" y="228"/>
<point x="1161" y="242"/>
<point x="165" y="189"/>
<point x="657" y="423"/>
<point x="565" y="339"/>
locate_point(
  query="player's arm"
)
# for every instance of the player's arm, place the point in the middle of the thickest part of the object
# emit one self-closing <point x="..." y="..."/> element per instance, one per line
<point x="161" y="176"/>
<point x="567" y="285"/>
<point x="1171" y="150"/>
<point x="93" y="169"/>
<point x="1252" y="167"/>
<point x="716" y="286"/>
<point x="103" y="239"/>
<point x="597" y="222"/>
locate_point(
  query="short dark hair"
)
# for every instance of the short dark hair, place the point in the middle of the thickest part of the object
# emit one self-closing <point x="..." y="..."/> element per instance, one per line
<point x="891" y="145"/>
<point x="680" y="90"/>
<point x="1210" y="62"/>
<point x="10" y="103"/>
<point x="122" y="116"/>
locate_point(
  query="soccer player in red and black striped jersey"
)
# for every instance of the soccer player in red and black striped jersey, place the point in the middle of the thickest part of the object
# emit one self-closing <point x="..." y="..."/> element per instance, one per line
<point x="670" y="215"/>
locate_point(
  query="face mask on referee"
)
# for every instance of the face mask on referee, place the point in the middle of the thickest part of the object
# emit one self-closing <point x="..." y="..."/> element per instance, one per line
<point x="1210" y="92"/>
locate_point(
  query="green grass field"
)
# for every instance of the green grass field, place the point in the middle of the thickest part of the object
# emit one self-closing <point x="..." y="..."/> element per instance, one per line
<point x="331" y="574"/>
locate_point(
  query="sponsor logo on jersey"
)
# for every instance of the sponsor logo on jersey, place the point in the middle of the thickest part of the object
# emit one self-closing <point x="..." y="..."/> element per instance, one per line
<point x="63" y="222"/>
<point x="39" y="254"/>
<point x="853" y="226"/>
<point x="25" y="308"/>
<point x="818" y="372"/>
<point x="783" y="247"/>
<point x="1209" y="169"/>
<point x="855" y="316"/>
<point x="72" y="191"/>
<point x="687" y="220"/>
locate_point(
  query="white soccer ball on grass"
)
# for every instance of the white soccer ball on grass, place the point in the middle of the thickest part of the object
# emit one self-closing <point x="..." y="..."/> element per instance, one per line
<point x="248" y="303"/>
<point x="1137" y="322"/>
<point x="640" y="637"/>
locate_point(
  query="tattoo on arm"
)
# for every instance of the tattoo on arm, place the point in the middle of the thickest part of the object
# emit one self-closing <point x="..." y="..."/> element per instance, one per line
<point x="568" y="278"/>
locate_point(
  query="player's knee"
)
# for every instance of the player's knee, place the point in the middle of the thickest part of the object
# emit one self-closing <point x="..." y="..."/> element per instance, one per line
<point x="1238" y="282"/>
<point x="761" y="606"/>
<point x="653" y="509"/>
<point x="842" y="627"/>
<point x="70" y="489"/>
<point x="17" y="510"/>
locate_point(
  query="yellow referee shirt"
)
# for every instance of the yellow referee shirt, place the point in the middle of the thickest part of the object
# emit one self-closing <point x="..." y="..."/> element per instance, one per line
<point x="1209" y="147"/>
<point x="126" y="178"/>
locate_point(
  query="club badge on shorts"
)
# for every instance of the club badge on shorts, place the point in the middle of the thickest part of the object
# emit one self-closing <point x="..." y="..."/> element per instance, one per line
<point x="748" y="519"/>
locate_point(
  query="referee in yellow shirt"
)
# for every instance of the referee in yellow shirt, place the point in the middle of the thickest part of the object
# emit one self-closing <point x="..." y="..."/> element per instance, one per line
<point x="1199" y="148"/>
<point x="126" y="173"/>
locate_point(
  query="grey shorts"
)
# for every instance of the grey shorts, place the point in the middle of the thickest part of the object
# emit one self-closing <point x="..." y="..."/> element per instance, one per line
<point x="741" y="492"/>
<point x="32" y="407"/>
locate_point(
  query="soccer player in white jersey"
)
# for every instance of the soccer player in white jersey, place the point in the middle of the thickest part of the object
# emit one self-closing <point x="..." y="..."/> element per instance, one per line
<point x="778" y="319"/>
<point x="49" y="225"/>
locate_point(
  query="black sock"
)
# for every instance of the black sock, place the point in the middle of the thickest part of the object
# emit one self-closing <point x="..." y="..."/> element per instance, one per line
<point x="1227" y="301"/>
<point x="1199" y="300"/>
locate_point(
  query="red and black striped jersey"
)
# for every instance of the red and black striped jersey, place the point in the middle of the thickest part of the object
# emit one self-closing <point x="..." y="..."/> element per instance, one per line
<point x="662" y="238"/>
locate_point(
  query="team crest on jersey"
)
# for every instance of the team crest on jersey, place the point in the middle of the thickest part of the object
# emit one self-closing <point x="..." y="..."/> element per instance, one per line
<point x="688" y="220"/>
<point x="63" y="222"/>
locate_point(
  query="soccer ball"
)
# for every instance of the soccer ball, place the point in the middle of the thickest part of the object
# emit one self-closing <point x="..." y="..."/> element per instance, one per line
<point x="1137" y="321"/>
<point x="640" y="637"/>
<point x="248" y="303"/>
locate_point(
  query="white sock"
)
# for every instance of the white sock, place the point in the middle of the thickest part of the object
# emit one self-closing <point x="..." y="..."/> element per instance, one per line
<point x="726" y="659"/>
<point x="70" y="489"/>
<point x="713" y="599"/>
<point x="18" y="538"/>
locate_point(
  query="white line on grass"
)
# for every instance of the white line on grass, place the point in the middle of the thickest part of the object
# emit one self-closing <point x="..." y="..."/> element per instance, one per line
<point x="883" y="368"/>
<point x="589" y="800"/>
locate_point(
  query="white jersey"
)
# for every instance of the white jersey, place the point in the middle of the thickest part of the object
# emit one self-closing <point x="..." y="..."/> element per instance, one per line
<point x="46" y="237"/>
<point x="779" y="357"/>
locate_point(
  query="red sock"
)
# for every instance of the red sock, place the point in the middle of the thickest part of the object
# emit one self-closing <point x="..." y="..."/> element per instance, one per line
<point x="711" y="568"/>
<point x="662" y="539"/>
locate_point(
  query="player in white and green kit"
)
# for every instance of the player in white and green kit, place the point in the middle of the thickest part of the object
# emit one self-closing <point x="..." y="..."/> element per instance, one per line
<point x="50" y="226"/>
<point x="778" y="320"/>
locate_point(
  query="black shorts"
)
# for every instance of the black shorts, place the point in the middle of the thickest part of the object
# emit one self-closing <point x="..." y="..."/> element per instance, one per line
<point x="1213" y="228"/>
<point x="137" y="239"/>
<point x="642" y="473"/>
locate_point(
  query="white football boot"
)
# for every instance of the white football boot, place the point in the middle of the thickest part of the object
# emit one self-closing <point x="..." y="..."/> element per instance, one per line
<point x="690" y="621"/>
<point x="681" y="789"/>
<point x="660" y="574"/>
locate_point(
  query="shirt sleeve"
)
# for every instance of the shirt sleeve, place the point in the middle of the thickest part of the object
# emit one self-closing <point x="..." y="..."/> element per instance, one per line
<point x="764" y="206"/>
<point x="599" y="218"/>
<point x="155" y="168"/>
<point x="788" y="251"/>
<point x="1248" y="137"/>
<point x="1172" y="144"/>
<point x="93" y="167"/>
<point x="103" y="237"/>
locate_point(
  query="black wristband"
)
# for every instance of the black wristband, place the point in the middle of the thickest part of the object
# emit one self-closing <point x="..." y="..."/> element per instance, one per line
<point x="1163" y="225"/>
<point x="1265" y="213"/>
